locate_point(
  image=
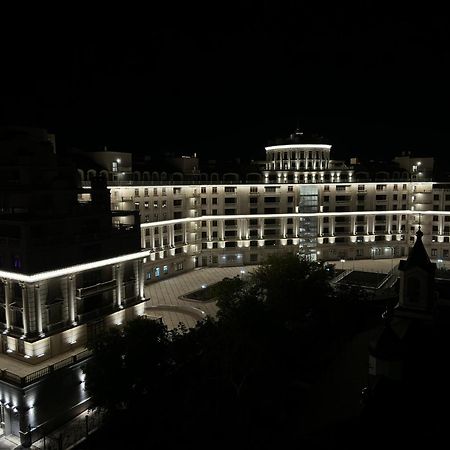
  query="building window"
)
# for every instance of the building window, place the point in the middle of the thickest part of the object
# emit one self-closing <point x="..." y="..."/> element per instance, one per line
<point x="146" y="192"/>
<point x="146" y="205"/>
<point x="155" y="191"/>
<point x="166" y="270"/>
<point x="136" y="192"/>
<point x="157" y="272"/>
<point x="214" y="190"/>
<point x="253" y="189"/>
<point x="137" y="206"/>
<point x="203" y="190"/>
<point x="148" y="275"/>
<point x="179" y="266"/>
<point x="230" y="189"/>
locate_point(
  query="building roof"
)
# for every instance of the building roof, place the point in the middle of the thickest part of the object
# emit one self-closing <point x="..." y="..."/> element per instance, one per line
<point x="418" y="256"/>
<point x="300" y="137"/>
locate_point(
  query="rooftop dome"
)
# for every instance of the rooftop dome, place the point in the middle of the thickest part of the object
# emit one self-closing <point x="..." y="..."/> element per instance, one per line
<point x="300" y="137"/>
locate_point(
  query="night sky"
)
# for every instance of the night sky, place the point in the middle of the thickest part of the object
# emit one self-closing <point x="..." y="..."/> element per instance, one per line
<point x="225" y="80"/>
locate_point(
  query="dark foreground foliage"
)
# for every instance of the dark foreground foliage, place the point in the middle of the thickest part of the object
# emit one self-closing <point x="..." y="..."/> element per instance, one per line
<point x="240" y="379"/>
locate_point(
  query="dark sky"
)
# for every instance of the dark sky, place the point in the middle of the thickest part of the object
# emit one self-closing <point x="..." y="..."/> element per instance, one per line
<point x="224" y="80"/>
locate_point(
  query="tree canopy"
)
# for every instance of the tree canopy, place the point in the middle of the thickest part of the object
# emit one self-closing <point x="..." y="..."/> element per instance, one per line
<point x="245" y="372"/>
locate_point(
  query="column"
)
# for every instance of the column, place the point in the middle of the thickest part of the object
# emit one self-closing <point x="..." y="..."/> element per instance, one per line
<point x="161" y="237"/>
<point x="25" y="310"/>
<point x="221" y="229"/>
<point x="172" y="235"/>
<point x="7" y="287"/>
<point x="283" y="227"/>
<point x="141" y="279"/>
<point x="37" y="299"/>
<point x="118" y="275"/>
<point x="136" y="279"/>
<point x="208" y="228"/>
<point x="152" y="238"/>
<point x="261" y="228"/>
<point x="185" y="233"/>
<point x="71" y="286"/>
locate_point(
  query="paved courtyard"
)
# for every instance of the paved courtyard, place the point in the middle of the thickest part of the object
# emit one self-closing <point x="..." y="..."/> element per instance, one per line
<point x="164" y="295"/>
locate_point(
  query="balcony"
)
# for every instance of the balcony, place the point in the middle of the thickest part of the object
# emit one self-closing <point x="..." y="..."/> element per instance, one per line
<point x="96" y="289"/>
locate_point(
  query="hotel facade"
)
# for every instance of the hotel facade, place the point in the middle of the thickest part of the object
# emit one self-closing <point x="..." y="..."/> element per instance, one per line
<point x="301" y="201"/>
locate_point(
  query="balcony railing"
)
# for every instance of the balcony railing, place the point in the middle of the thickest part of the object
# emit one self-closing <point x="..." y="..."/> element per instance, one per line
<point x="38" y="374"/>
<point x="97" y="288"/>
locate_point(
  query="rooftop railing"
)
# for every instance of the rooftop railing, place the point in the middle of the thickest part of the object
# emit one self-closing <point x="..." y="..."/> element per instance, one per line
<point x="41" y="373"/>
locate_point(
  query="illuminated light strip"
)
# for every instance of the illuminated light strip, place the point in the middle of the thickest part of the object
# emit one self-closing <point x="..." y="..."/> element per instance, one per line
<point x="276" y="147"/>
<point x="72" y="269"/>
<point x="288" y="215"/>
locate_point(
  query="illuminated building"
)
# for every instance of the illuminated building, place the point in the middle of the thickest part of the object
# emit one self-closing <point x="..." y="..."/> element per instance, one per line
<point x="67" y="272"/>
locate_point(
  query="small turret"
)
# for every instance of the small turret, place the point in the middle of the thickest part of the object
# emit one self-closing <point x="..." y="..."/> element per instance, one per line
<point x="417" y="278"/>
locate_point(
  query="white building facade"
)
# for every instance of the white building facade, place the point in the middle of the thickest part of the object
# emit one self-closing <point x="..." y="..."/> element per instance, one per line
<point x="343" y="211"/>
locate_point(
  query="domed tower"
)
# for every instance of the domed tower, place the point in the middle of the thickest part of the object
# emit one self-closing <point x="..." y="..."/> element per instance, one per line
<point x="299" y="158"/>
